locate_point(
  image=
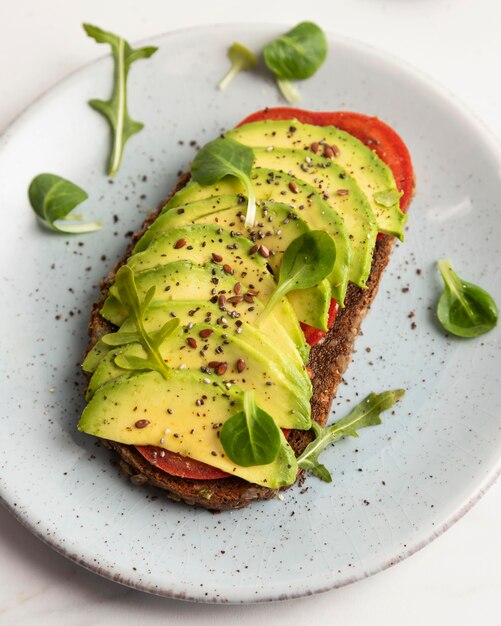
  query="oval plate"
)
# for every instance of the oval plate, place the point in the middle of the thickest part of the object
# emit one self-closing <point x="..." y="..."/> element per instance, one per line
<point x="396" y="487"/>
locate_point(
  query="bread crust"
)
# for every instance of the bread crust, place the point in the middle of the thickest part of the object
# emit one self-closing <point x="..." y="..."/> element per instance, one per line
<point x="327" y="362"/>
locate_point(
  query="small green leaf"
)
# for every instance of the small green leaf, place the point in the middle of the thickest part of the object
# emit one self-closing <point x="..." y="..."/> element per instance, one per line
<point x="387" y="198"/>
<point x="464" y="309"/>
<point x="295" y="56"/>
<point x="306" y="262"/>
<point x="120" y="339"/>
<point x="251" y="437"/>
<point x="115" y="109"/>
<point x="131" y="362"/>
<point x="159" y="336"/>
<point x="128" y="294"/>
<point x="53" y="197"/>
<point x="241" y="59"/>
<point x="367" y="413"/>
<point x="226" y="157"/>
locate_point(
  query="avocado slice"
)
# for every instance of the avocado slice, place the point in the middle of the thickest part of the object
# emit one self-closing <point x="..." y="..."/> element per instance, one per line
<point x="343" y="194"/>
<point x="94" y="356"/>
<point x="183" y="280"/>
<point x="177" y="423"/>
<point x="209" y="207"/>
<point x="199" y="243"/>
<point x="202" y="241"/>
<point x="279" y="188"/>
<point x="284" y="394"/>
<point x="373" y="176"/>
<point x="271" y="337"/>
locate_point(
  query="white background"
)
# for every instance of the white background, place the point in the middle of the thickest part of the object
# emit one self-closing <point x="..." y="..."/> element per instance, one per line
<point x="457" y="579"/>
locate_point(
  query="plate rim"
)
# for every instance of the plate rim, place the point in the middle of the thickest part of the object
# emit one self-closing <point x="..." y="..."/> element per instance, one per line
<point x="489" y="139"/>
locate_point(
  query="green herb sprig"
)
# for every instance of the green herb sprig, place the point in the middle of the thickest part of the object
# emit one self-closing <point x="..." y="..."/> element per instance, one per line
<point x="115" y="109"/>
<point x="306" y="262"/>
<point x="242" y="59"/>
<point x="295" y="56"/>
<point x="464" y="309"/>
<point x="226" y="157"/>
<point x="367" y="413"/>
<point x="53" y="198"/>
<point x="151" y="342"/>
<point x="250" y="437"/>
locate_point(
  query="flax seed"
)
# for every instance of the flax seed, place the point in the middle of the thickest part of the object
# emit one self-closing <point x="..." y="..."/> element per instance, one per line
<point x="264" y="252"/>
<point x="221" y="369"/>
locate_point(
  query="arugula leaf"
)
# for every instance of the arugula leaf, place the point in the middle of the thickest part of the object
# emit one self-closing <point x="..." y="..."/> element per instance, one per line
<point x="241" y="59"/>
<point x="127" y="291"/>
<point x="250" y="437"/>
<point x="53" y="197"/>
<point x="464" y="309"/>
<point x="295" y="56"/>
<point x="225" y="157"/>
<point x="115" y="109"/>
<point x="364" y="414"/>
<point x="306" y="262"/>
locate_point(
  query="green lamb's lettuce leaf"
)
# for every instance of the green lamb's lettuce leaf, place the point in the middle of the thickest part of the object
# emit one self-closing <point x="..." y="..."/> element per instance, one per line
<point x="225" y="157"/>
<point x="295" y="56"/>
<point x="115" y="109"/>
<point x="53" y="198"/>
<point x="306" y="262"/>
<point x="242" y="59"/>
<point x="464" y="309"/>
<point x="251" y="437"/>
<point x="367" y="413"/>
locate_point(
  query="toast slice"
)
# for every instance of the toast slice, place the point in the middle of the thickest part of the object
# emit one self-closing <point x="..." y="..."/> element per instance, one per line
<point x="328" y="361"/>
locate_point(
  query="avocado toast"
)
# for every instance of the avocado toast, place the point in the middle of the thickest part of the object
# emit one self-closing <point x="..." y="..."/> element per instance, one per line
<point x="202" y="281"/>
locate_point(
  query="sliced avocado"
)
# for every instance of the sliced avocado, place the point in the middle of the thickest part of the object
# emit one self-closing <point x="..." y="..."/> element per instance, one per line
<point x="343" y="194"/>
<point x="209" y="206"/>
<point x="172" y="419"/>
<point x="183" y="280"/>
<point x="373" y="176"/>
<point x="94" y="356"/>
<point x="279" y="188"/>
<point x="284" y="394"/>
<point x="200" y="242"/>
<point x="270" y="338"/>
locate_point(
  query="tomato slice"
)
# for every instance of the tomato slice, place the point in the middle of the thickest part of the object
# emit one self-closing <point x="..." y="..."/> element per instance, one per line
<point x="178" y="465"/>
<point x="391" y="149"/>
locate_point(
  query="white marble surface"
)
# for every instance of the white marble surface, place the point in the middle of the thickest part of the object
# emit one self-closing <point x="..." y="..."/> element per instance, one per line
<point x="457" y="579"/>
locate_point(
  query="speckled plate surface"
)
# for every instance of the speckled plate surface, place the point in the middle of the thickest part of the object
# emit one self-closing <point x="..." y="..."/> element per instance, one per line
<point x="396" y="487"/>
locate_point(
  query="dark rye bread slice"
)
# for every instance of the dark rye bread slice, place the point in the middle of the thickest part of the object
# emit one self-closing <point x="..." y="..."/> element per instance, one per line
<point x="327" y="363"/>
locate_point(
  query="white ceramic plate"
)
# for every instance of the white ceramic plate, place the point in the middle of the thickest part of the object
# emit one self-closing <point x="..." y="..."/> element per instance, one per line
<point x="396" y="487"/>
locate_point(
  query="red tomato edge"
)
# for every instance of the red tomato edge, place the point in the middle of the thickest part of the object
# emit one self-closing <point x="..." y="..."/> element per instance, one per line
<point x="390" y="148"/>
